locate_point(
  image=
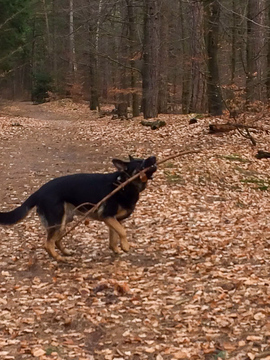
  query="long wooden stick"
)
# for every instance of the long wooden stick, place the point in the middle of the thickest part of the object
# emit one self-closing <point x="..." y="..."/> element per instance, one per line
<point x="186" y="152"/>
<point x="95" y="207"/>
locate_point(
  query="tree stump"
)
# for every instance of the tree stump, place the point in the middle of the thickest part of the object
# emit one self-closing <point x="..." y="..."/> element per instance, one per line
<point x="192" y="121"/>
<point x="120" y="111"/>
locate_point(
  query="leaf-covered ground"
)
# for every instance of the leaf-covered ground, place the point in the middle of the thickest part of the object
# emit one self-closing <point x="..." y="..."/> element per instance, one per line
<point x="195" y="284"/>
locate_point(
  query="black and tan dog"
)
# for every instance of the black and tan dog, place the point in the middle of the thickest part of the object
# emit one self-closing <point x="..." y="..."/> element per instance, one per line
<point x="60" y="199"/>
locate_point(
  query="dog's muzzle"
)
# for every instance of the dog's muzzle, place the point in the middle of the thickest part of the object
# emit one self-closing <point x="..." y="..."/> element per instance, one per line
<point x="149" y="163"/>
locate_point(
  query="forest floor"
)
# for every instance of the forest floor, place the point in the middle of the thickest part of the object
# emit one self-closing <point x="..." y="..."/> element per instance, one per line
<point x="195" y="284"/>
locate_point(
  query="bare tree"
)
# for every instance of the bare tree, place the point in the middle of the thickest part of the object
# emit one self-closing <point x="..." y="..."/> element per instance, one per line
<point x="150" y="59"/>
<point x="94" y="48"/>
<point x="268" y="52"/>
<point x="132" y="53"/>
<point x="72" y="52"/>
<point x="186" y="54"/>
<point x="252" y="51"/>
<point x="163" y="58"/>
<point x="211" y="18"/>
<point x="197" y="96"/>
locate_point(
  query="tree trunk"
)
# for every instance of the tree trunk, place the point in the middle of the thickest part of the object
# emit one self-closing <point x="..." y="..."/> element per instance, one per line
<point x="186" y="77"/>
<point x="268" y="52"/>
<point x="72" y="52"/>
<point x="233" y="45"/>
<point x="94" y="60"/>
<point x="132" y="50"/>
<point x="33" y="59"/>
<point x="150" y="60"/>
<point x="253" y="38"/>
<point x="54" y="45"/>
<point x="48" y="36"/>
<point x="197" y="55"/>
<point x="163" y="59"/>
<point x="211" y="14"/>
<point x="93" y="78"/>
<point x="94" y="102"/>
<point x="123" y="56"/>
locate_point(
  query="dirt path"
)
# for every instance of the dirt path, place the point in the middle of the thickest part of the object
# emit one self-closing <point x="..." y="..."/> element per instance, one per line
<point x="42" y="142"/>
<point x="38" y="112"/>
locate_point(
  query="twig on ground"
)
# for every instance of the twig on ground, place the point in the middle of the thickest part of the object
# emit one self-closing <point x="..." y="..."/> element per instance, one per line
<point x="264" y="354"/>
<point x="247" y="136"/>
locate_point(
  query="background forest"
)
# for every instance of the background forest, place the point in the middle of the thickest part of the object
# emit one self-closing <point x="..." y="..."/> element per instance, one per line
<point x="159" y="56"/>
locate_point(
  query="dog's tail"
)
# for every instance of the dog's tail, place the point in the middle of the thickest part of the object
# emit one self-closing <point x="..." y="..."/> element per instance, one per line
<point x="16" y="215"/>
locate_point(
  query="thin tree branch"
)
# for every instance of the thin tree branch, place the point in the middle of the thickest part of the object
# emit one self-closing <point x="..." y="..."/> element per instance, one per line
<point x="16" y="14"/>
<point x="245" y="17"/>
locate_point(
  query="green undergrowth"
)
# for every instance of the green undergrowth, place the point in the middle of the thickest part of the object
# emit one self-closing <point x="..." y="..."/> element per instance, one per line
<point x="174" y="178"/>
<point x="233" y="157"/>
<point x="261" y="184"/>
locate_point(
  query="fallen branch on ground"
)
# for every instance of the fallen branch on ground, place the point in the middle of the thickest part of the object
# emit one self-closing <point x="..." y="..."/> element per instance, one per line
<point x="154" y="124"/>
<point x="262" y="154"/>
<point x="96" y="206"/>
<point x="241" y="128"/>
<point x="217" y="128"/>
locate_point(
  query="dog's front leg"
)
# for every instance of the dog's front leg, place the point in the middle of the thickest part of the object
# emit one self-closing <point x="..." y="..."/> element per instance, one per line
<point x="113" y="241"/>
<point x="115" y="226"/>
<point x="60" y="246"/>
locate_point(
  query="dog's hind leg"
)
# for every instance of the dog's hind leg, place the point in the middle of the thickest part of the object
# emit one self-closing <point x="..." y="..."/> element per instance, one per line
<point x="59" y="243"/>
<point x="53" y="235"/>
<point x="113" y="241"/>
<point x="118" y="228"/>
<point x="53" y="217"/>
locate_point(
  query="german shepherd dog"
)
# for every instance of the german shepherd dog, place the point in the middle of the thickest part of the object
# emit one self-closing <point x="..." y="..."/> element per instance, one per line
<point x="61" y="198"/>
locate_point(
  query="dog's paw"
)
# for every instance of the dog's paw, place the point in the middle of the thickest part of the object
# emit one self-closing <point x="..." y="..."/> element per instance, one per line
<point x="60" y="259"/>
<point x="67" y="252"/>
<point x="116" y="250"/>
<point x="125" y="246"/>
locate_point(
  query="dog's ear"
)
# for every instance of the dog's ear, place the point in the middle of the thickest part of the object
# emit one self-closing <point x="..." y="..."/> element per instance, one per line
<point x="119" y="164"/>
<point x="131" y="158"/>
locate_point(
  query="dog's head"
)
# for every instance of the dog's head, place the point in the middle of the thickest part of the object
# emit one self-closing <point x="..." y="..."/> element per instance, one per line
<point x="134" y="166"/>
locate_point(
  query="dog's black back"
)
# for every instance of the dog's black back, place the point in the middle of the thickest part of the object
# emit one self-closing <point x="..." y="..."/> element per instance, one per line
<point x="79" y="189"/>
